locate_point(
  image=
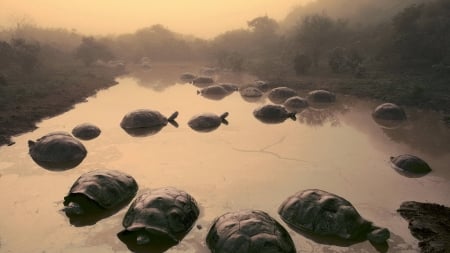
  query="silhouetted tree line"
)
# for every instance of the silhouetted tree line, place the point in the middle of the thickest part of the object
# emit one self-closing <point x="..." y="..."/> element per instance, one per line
<point x="417" y="37"/>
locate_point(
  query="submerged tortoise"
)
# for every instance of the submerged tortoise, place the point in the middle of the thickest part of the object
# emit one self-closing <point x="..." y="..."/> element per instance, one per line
<point x="187" y="77"/>
<point x="207" y="122"/>
<point x="159" y="215"/>
<point x="249" y="231"/>
<point x="389" y="111"/>
<point x="145" y="122"/>
<point x="57" y="150"/>
<point x="99" y="191"/>
<point x="230" y="87"/>
<point x="202" y="81"/>
<point x="86" y="131"/>
<point x="321" y="96"/>
<point x="215" y="92"/>
<point x="251" y="93"/>
<point x="409" y="165"/>
<point x="280" y="94"/>
<point x="273" y="114"/>
<point x="295" y="104"/>
<point x="321" y="213"/>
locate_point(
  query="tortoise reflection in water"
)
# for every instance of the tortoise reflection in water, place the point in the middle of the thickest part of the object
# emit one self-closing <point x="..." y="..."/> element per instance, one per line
<point x="57" y="151"/>
<point x="98" y="194"/>
<point x="320" y="213"/>
<point x="250" y="231"/>
<point x="159" y="218"/>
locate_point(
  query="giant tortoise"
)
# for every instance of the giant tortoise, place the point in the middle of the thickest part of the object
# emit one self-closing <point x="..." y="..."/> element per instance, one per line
<point x="98" y="194"/>
<point x="57" y="151"/>
<point x="273" y="114"/>
<point x="248" y="231"/>
<point x="159" y="216"/>
<point x="320" y="213"/>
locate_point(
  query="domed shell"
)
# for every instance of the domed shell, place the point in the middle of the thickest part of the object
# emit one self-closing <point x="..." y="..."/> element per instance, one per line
<point x="321" y="96"/>
<point x="322" y="213"/>
<point x="410" y="164"/>
<point x="273" y="114"/>
<point x="389" y="111"/>
<point x="161" y="214"/>
<point x="251" y="92"/>
<point x="187" y="77"/>
<point x="143" y="118"/>
<point x="295" y="104"/>
<point x="107" y="188"/>
<point x="57" y="150"/>
<point x="280" y="94"/>
<point x="215" y="92"/>
<point x="230" y="87"/>
<point x="202" y="81"/>
<point x="251" y="231"/>
<point x="207" y="122"/>
<point x="86" y="131"/>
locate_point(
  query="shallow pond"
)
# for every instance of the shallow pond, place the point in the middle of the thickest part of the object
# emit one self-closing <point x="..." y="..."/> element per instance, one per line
<point x="243" y="165"/>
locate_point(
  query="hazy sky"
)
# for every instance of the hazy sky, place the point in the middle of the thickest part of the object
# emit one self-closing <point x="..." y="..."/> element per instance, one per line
<point x="204" y="18"/>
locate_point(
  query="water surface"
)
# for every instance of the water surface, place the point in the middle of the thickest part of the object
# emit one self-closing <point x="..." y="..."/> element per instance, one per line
<point x="244" y="165"/>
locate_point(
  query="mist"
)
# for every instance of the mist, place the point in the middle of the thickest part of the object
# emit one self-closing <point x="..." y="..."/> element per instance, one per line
<point x="202" y="18"/>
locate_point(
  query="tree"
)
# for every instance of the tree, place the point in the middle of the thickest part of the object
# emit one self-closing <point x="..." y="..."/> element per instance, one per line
<point x="302" y="63"/>
<point x="91" y="50"/>
<point x="26" y="54"/>
<point x="317" y="34"/>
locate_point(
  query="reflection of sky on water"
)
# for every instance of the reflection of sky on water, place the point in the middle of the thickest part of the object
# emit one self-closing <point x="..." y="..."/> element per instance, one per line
<point x="243" y="165"/>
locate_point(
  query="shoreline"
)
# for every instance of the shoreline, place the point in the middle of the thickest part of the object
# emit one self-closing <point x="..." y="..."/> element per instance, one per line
<point x="25" y="108"/>
<point x="21" y="113"/>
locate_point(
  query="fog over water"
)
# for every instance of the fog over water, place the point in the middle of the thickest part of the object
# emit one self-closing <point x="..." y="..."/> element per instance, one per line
<point x="203" y="18"/>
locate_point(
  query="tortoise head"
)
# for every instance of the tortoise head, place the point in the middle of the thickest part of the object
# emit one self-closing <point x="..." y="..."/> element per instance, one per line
<point x="223" y="116"/>
<point x="31" y="144"/>
<point x="172" y="118"/>
<point x="378" y="235"/>
<point x="73" y="208"/>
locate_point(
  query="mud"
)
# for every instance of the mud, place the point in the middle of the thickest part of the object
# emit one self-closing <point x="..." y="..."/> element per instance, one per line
<point x="429" y="223"/>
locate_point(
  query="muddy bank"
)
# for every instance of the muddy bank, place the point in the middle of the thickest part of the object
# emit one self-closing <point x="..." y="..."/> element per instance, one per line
<point x="429" y="223"/>
<point x="422" y="91"/>
<point x="26" y="100"/>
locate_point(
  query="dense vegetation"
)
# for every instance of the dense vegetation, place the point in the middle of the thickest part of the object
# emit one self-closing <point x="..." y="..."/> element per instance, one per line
<point x="396" y="50"/>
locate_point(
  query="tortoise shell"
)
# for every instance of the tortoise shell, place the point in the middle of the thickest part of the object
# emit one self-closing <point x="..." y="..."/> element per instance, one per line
<point x="280" y="94"/>
<point x="250" y="231"/>
<point x="410" y="164"/>
<point x="202" y="81"/>
<point x="86" y="131"/>
<point x="251" y="92"/>
<point x="321" y="96"/>
<point x="207" y="122"/>
<point x="57" y="150"/>
<point x="230" y="87"/>
<point x="389" y="111"/>
<point x="144" y="118"/>
<point x="215" y="92"/>
<point x="107" y="188"/>
<point x="322" y="213"/>
<point x="187" y="77"/>
<point x="295" y="104"/>
<point x="160" y="214"/>
<point x="273" y="114"/>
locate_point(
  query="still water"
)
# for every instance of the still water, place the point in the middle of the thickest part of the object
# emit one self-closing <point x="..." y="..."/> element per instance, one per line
<point x="243" y="165"/>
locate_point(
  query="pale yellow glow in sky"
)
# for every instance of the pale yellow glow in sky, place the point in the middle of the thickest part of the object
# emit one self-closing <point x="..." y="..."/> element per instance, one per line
<point x="204" y="18"/>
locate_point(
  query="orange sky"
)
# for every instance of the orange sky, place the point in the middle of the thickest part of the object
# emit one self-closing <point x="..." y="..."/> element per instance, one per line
<point x="204" y="18"/>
